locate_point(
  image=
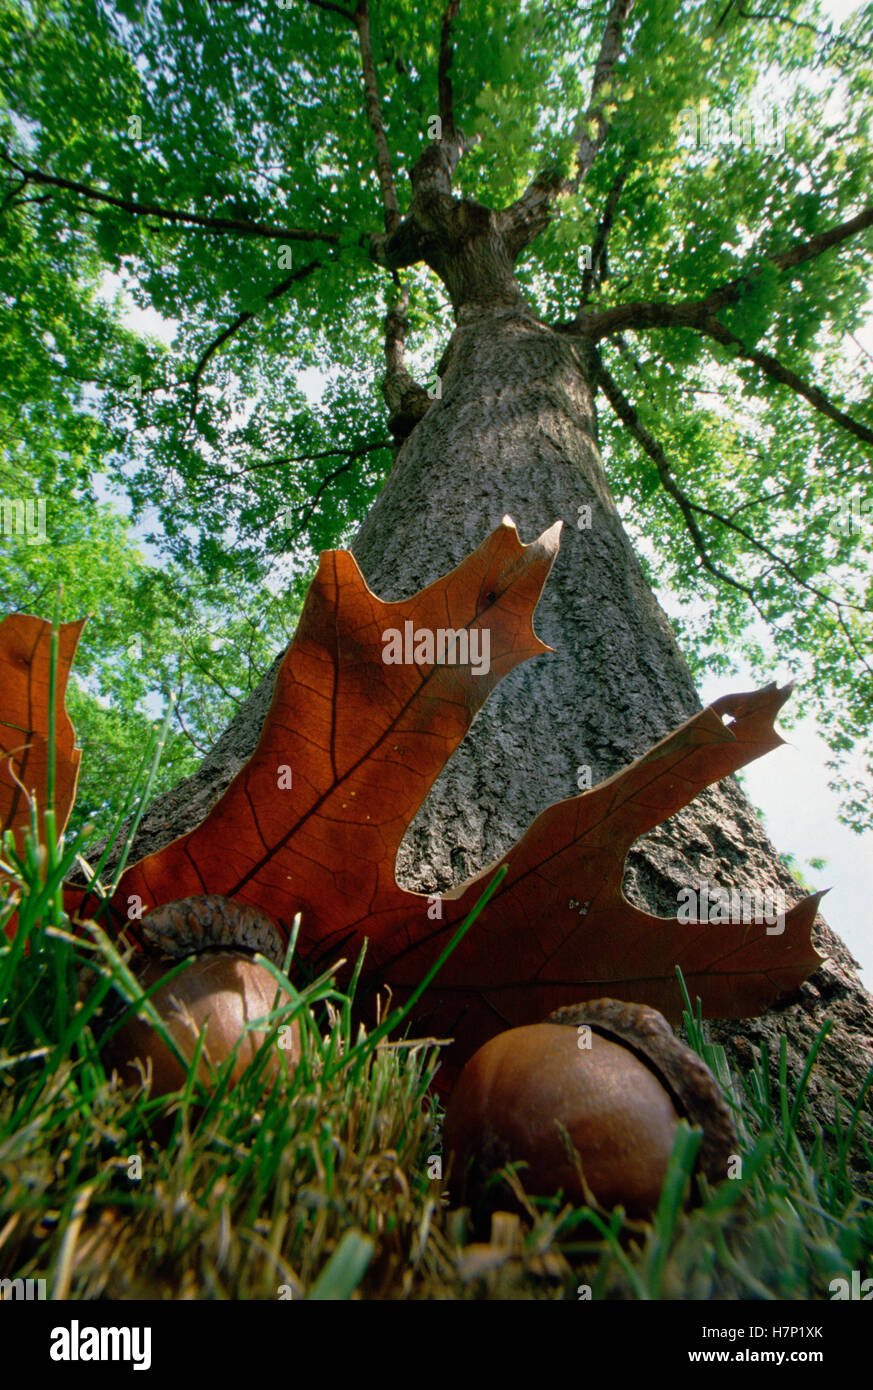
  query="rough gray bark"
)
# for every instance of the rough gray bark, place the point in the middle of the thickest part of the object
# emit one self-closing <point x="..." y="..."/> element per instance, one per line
<point x="515" y="432"/>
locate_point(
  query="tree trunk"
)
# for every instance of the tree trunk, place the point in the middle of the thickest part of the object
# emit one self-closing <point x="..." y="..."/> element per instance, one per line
<point x="515" y="432"/>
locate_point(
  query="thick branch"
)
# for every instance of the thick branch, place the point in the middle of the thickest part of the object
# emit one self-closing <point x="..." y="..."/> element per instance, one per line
<point x="693" y="314"/>
<point x="798" y="254"/>
<point x="610" y="51"/>
<point x="699" y="315"/>
<point x="687" y="313"/>
<point x="522" y="222"/>
<point x="433" y="201"/>
<point x="374" y="115"/>
<point x="407" y="401"/>
<point x="240" y="225"/>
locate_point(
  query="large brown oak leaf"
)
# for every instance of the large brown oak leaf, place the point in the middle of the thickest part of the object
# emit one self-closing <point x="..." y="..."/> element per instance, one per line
<point x="350" y="748"/>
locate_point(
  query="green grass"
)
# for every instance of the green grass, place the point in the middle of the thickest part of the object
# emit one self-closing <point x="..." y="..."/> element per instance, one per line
<point x="318" y="1187"/>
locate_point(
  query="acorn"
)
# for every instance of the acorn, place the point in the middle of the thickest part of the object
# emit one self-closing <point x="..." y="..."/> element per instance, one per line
<point x="615" y="1077"/>
<point x="220" y="991"/>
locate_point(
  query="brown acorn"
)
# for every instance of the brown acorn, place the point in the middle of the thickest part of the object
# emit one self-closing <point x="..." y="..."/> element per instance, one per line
<point x="221" y="990"/>
<point x="619" y="1088"/>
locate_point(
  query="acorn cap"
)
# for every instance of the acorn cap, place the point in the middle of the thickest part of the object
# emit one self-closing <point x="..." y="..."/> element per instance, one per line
<point x="687" y="1079"/>
<point x="211" y="923"/>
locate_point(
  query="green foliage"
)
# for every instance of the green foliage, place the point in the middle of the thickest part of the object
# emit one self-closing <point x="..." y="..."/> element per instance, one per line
<point x="237" y="479"/>
<point x="152" y="635"/>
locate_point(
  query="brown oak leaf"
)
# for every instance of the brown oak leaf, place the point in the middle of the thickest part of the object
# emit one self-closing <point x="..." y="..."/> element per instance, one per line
<point x="25" y="666"/>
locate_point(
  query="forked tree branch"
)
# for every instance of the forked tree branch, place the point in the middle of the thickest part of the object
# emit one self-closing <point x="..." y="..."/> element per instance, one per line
<point x="350" y="456"/>
<point x="693" y="315"/>
<point x="524" y="219"/>
<point x="699" y="315"/>
<point x="601" y="323"/>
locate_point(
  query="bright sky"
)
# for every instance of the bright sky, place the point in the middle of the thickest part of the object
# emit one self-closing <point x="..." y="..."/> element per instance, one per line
<point x="790" y="787"/>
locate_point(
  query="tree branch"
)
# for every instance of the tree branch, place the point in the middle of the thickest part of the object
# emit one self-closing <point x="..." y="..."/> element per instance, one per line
<point x="594" y="275"/>
<point x="694" y="315"/>
<point x="853" y="644"/>
<point x="210" y="674"/>
<point x="778" y="560"/>
<point x="798" y="254"/>
<point x="351" y="456"/>
<point x="374" y="114"/>
<point x="861" y="346"/>
<point x="628" y="416"/>
<point x="239" y="225"/>
<point x="407" y="401"/>
<point x="773" y="368"/>
<point x="444" y="82"/>
<point x="610" y="52"/>
<point x="322" y="454"/>
<point x="241" y="320"/>
<point x="630" y="419"/>
<point x="699" y="315"/>
<point x="14" y="190"/>
<point x="600" y="323"/>
<point x="199" y="748"/>
<point x="822" y="34"/>
<point x="333" y="9"/>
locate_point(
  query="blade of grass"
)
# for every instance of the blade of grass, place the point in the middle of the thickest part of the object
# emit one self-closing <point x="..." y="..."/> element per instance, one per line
<point x="345" y="1269"/>
<point x="396" y="1018"/>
